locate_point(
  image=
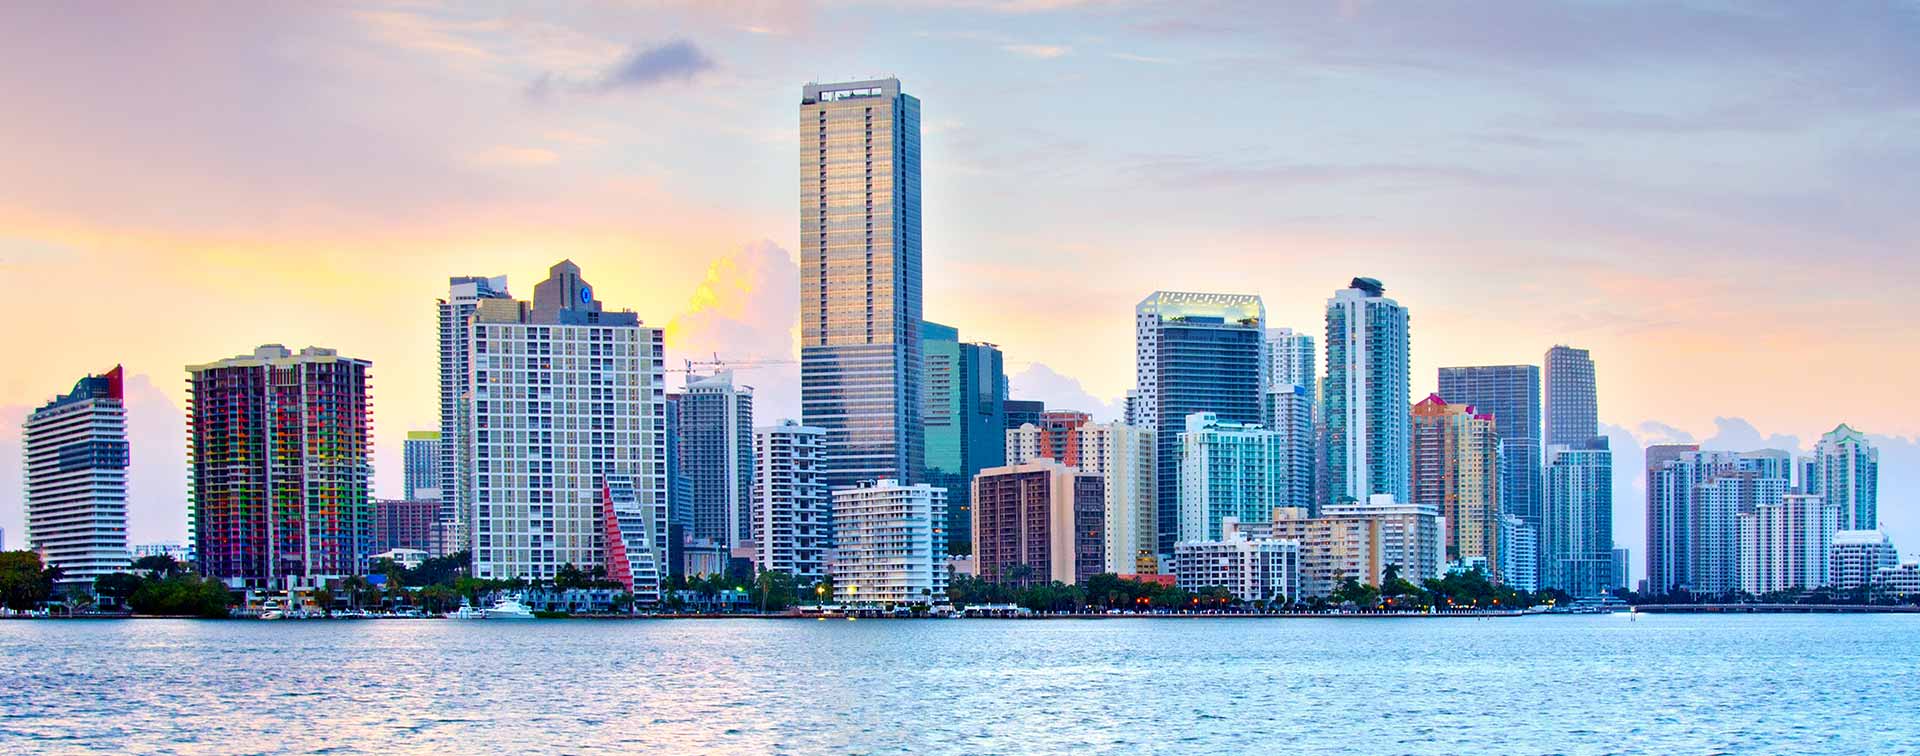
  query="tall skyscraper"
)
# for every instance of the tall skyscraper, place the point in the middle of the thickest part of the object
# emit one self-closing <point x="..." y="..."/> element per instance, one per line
<point x="1456" y="469"/>
<point x="1123" y="456"/>
<point x="1572" y="412"/>
<point x="464" y="294"/>
<point x="422" y="459"/>
<point x="1578" y="515"/>
<point x="568" y="436"/>
<point x="1367" y="393"/>
<point x="1042" y="516"/>
<point x="280" y="446"/>
<point x="1227" y="470"/>
<point x="1846" y="470"/>
<point x="75" y="454"/>
<point x="965" y="420"/>
<point x="716" y="456"/>
<point x="860" y="313"/>
<point x="792" y="512"/>
<point x="1193" y="353"/>
<point x="1511" y="393"/>
<point x="1292" y="410"/>
<point x="887" y="543"/>
<point x="1694" y="502"/>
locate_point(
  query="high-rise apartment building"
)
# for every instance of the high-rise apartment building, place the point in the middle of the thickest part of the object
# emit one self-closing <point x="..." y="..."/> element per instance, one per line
<point x="634" y="536"/>
<point x="1039" y="522"/>
<point x="1694" y="501"/>
<point x="1857" y="555"/>
<point x="464" y="294"/>
<point x="965" y="420"/>
<point x="1123" y="456"/>
<point x="1292" y="395"/>
<point x="568" y="419"/>
<point x="888" y="543"/>
<point x="792" y="512"/>
<point x="1456" y="470"/>
<point x="1227" y="470"/>
<point x="279" y="445"/>
<point x="1332" y="548"/>
<point x="1622" y="570"/>
<point x="1511" y="394"/>
<point x="1193" y="353"/>
<point x="1578" y="517"/>
<point x="421" y="455"/>
<point x="405" y="524"/>
<point x="1023" y="412"/>
<point x="1053" y="437"/>
<point x="716" y="456"/>
<point x="1572" y="412"/>
<point x="1519" y="543"/>
<point x="74" y="450"/>
<point x="860" y="296"/>
<point x="1845" y="469"/>
<point x="1787" y="544"/>
<point x="1366" y="394"/>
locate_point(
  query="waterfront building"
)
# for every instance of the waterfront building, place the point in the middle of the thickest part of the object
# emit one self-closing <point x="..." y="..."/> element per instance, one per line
<point x="792" y="512"/>
<point x="568" y="398"/>
<point x="1787" y="544"/>
<point x="1456" y="470"/>
<point x="1518" y="545"/>
<point x="1023" y="411"/>
<point x="1572" y="413"/>
<point x="1123" y="456"/>
<point x="860" y="278"/>
<point x="464" y="294"/>
<point x="1194" y="352"/>
<point x="1366" y="394"/>
<point x="1578" y="517"/>
<point x="965" y="420"/>
<point x="1694" y="499"/>
<point x="1857" y="555"/>
<point x="634" y="536"/>
<point x="889" y="543"/>
<point x="421" y="455"/>
<point x="1411" y="534"/>
<point x="1332" y="548"/>
<point x="279" y="449"/>
<point x="1253" y="569"/>
<point x="406" y="559"/>
<point x="1227" y="470"/>
<point x="1039" y="522"/>
<point x="1901" y="581"/>
<point x="1845" y="469"/>
<point x="1622" y="569"/>
<point x="1511" y="394"/>
<point x="75" y="455"/>
<point x="406" y="524"/>
<point x="179" y="552"/>
<point x="716" y="456"/>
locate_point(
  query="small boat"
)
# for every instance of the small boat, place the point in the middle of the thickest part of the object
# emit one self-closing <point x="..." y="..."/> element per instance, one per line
<point x="508" y="607"/>
<point x="466" y="611"/>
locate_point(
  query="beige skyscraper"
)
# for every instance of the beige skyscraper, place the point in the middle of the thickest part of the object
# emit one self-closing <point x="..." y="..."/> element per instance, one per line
<point x="860" y="358"/>
<point x="1456" y="468"/>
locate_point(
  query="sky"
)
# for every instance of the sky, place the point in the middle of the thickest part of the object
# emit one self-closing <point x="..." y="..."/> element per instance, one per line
<point x="1715" y="198"/>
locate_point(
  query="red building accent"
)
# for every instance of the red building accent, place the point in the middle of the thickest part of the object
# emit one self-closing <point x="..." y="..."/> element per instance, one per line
<point x="617" y="566"/>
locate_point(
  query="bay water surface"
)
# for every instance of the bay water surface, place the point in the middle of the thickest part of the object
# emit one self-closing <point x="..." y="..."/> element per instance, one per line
<point x="1763" y="684"/>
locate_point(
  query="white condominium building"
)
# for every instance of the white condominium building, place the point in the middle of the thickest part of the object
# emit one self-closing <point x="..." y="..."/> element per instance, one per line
<point x="890" y="543"/>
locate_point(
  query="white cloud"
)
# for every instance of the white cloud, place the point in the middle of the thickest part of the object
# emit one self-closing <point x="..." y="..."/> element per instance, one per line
<point x="1045" y="52"/>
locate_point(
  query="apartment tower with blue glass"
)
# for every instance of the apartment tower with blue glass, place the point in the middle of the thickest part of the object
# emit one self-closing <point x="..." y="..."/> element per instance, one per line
<point x="1366" y="394"/>
<point x="1194" y="352"/>
<point x="965" y="420"/>
<point x="860" y="360"/>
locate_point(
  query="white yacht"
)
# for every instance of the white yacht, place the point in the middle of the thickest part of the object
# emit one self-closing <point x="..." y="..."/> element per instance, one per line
<point x="466" y="611"/>
<point x="508" y="607"/>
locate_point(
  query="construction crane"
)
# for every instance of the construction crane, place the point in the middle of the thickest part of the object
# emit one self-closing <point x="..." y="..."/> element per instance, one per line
<point x="695" y="366"/>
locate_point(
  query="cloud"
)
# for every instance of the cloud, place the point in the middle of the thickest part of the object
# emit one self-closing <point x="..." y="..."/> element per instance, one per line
<point x="640" y="68"/>
<point x="1650" y="432"/>
<point x="747" y="309"/>
<point x="1041" y="382"/>
<point x="1045" y="52"/>
<point x="507" y="155"/>
<point x="1133" y="58"/>
<point x="1736" y="434"/>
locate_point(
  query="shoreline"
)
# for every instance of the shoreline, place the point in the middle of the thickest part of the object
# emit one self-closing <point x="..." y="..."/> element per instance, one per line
<point x="1647" y="609"/>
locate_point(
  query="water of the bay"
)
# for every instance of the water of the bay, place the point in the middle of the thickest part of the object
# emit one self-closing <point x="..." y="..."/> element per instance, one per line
<point x="1838" y="684"/>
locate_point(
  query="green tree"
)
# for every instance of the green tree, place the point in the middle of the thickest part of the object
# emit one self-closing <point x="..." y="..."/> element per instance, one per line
<point x="774" y="590"/>
<point x="24" y="582"/>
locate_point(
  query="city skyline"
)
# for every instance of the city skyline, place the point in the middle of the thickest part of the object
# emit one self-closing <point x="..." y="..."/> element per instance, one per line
<point x="732" y="291"/>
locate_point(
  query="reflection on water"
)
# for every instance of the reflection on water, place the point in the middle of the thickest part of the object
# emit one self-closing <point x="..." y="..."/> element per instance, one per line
<point x="1598" y="684"/>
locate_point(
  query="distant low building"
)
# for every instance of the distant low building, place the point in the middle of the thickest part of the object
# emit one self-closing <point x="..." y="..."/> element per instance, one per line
<point x="1902" y="580"/>
<point x="406" y="558"/>
<point x="180" y="552"/>
<point x="1410" y="534"/>
<point x="406" y="524"/>
<point x="1254" y="569"/>
<point x="1332" y="548"/>
<point x="1858" y="554"/>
